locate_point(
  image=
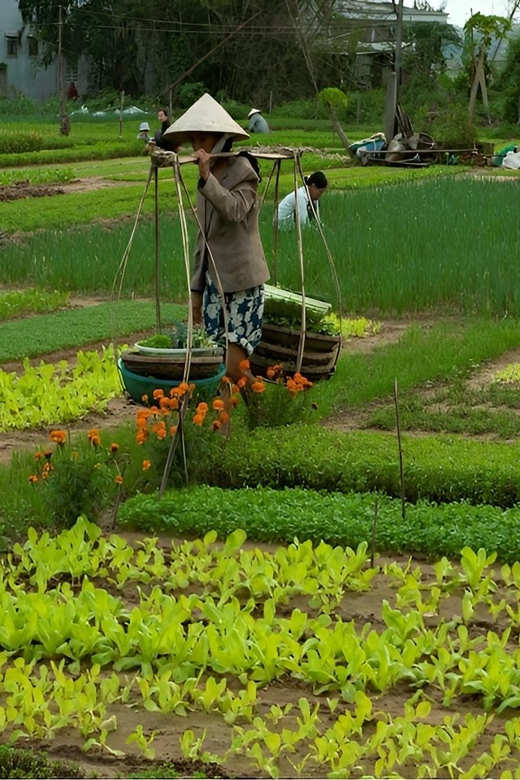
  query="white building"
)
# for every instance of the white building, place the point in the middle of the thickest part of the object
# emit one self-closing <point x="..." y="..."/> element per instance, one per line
<point x="20" y="50"/>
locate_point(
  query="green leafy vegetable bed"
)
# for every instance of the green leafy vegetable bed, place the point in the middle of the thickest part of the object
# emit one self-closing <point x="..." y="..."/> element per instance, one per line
<point x="439" y="468"/>
<point x="76" y="327"/>
<point x="269" y="515"/>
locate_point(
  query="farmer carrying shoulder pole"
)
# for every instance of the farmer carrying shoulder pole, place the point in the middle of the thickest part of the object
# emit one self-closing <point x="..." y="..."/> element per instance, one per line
<point x="227" y="210"/>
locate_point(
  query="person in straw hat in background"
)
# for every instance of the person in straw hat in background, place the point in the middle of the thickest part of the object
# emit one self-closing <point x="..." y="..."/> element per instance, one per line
<point x="257" y="124"/>
<point x="144" y="132"/>
<point x="227" y="210"/>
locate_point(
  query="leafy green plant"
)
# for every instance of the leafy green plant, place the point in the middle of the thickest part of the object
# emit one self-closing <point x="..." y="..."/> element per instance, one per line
<point x="30" y="301"/>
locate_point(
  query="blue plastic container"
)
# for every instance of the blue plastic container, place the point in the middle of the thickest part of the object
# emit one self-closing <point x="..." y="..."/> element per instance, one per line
<point x="137" y="385"/>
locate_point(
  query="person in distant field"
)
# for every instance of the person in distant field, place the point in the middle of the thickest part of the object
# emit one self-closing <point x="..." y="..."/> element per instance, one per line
<point x="257" y="123"/>
<point x="308" y="206"/>
<point x="72" y="92"/>
<point x="143" y="134"/>
<point x="499" y="158"/>
<point x="162" y="116"/>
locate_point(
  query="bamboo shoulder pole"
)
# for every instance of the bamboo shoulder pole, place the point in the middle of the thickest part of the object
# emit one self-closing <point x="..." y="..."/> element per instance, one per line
<point x="276" y="226"/>
<point x="158" y="324"/>
<point x="301" y="345"/>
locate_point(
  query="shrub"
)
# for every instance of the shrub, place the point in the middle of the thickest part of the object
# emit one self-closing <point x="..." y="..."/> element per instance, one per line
<point x="16" y="763"/>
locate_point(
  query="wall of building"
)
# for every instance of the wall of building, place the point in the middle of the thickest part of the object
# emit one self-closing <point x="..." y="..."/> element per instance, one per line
<point x="20" y="70"/>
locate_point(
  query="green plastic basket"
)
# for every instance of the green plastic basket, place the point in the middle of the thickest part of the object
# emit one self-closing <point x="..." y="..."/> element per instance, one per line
<point x="137" y="385"/>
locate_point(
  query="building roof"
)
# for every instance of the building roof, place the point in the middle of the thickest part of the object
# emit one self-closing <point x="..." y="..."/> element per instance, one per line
<point x="377" y="12"/>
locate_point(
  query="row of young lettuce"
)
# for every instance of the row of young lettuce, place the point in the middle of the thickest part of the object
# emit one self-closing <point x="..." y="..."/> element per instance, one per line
<point x="212" y="626"/>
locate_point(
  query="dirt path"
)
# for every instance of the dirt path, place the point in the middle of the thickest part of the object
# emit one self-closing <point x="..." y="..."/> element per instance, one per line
<point x="24" y="189"/>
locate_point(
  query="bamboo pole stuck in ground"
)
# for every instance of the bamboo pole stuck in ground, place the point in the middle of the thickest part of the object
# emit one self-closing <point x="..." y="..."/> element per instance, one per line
<point x="374" y="531"/>
<point x="399" y="444"/>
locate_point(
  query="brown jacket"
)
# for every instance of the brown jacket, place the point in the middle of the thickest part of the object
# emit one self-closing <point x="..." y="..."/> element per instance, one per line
<point x="228" y="212"/>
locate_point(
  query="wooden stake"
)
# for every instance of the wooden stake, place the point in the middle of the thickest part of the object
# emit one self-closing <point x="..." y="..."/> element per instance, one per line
<point x="374" y="529"/>
<point x="401" y="466"/>
<point x="121" y="109"/>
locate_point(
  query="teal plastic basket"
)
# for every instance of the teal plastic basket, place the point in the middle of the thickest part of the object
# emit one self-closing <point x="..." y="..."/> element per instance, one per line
<point x="137" y="385"/>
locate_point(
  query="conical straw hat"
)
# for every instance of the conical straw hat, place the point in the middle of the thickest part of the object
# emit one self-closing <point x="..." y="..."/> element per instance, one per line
<point x="253" y="111"/>
<point x="204" y="116"/>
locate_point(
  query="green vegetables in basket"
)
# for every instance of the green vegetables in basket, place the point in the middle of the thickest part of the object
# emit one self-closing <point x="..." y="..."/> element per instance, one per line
<point x="287" y="304"/>
<point x="330" y="325"/>
<point x="177" y="338"/>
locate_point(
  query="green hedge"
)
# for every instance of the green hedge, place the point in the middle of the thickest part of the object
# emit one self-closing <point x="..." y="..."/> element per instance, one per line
<point x="440" y="468"/>
<point x="279" y="516"/>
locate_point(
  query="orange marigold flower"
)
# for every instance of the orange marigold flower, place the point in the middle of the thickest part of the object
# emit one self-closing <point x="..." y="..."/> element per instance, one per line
<point x="58" y="437"/>
<point x="114" y="448"/>
<point x="183" y="388"/>
<point x="258" y="386"/>
<point x="226" y="380"/>
<point x="161" y="433"/>
<point x="48" y="454"/>
<point x="94" y="437"/>
<point x="165" y="404"/>
<point x="198" y="419"/>
<point x="33" y="478"/>
<point x="202" y="408"/>
<point x="218" y="404"/>
<point x="242" y="382"/>
<point x="174" y="392"/>
<point x="158" y="393"/>
<point x="271" y="373"/>
<point x="223" y="417"/>
<point x="154" y="410"/>
<point x="244" y="365"/>
<point x="173" y="430"/>
<point x="234" y="401"/>
<point x="38" y="455"/>
<point x="118" y="479"/>
<point x="48" y="468"/>
<point x="141" y="437"/>
<point x="146" y="464"/>
<point x="144" y="399"/>
<point x="174" y="403"/>
<point x="235" y="389"/>
<point x="216" y="425"/>
<point x="191" y="387"/>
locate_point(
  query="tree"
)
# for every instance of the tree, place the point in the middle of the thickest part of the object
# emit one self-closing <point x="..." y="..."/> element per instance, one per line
<point x="425" y="55"/>
<point x="334" y="99"/>
<point x="134" y="44"/>
<point x="487" y="28"/>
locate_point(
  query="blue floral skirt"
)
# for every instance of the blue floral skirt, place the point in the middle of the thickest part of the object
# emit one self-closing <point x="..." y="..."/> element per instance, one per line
<point x="244" y="309"/>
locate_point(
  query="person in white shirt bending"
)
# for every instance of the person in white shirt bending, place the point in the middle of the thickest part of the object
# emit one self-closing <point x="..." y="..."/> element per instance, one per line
<point x="308" y="205"/>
